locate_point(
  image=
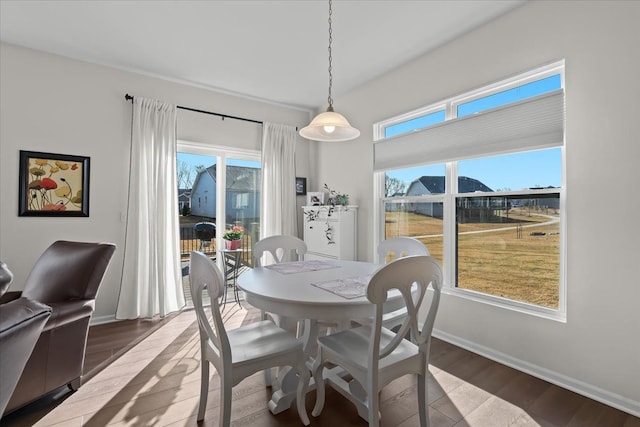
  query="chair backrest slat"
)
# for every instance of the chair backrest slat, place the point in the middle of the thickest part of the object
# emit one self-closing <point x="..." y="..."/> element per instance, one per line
<point x="281" y="247"/>
<point x="399" y="247"/>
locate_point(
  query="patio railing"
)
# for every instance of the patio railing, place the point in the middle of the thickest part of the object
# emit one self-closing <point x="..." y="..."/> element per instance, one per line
<point x="189" y="242"/>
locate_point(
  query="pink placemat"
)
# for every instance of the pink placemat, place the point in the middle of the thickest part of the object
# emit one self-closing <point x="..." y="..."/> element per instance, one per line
<point x="351" y="287"/>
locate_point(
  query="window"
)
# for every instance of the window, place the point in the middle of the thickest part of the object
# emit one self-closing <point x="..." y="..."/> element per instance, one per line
<point x="490" y="211"/>
<point x="415" y="124"/>
<point x="509" y="96"/>
<point x="242" y="201"/>
<point x="225" y="186"/>
<point x="508" y="247"/>
<point x="414" y="205"/>
<point x="508" y="242"/>
<point x="526" y="86"/>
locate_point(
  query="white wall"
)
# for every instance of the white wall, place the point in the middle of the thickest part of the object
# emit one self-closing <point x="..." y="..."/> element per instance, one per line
<point x="597" y="351"/>
<point x="53" y="104"/>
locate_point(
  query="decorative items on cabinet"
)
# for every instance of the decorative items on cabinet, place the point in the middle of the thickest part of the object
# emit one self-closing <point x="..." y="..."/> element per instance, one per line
<point x="330" y="232"/>
<point x="315" y="198"/>
<point x="336" y="198"/>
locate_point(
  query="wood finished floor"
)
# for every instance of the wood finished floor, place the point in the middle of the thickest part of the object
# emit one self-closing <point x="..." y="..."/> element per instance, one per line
<point x="146" y="373"/>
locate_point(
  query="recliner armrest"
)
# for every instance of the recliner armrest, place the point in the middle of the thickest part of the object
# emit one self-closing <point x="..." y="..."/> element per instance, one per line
<point x="69" y="311"/>
<point x="20" y="311"/>
<point x="10" y="296"/>
<point x="21" y="322"/>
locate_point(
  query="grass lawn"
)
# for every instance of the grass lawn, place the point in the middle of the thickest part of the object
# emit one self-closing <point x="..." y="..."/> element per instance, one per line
<point x="521" y="265"/>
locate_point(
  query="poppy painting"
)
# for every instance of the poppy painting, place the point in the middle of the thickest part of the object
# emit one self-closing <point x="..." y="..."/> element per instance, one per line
<point x="53" y="185"/>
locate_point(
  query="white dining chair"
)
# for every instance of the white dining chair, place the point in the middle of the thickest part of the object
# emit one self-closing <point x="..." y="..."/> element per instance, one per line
<point x="281" y="247"/>
<point x="399" y="247"/>
<point x="239" y="353"/>
<point x="389" y="250"/>
<point x="373" y="355"/>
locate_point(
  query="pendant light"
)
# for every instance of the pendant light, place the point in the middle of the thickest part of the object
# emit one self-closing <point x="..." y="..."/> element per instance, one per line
<point x="330" y="126"/>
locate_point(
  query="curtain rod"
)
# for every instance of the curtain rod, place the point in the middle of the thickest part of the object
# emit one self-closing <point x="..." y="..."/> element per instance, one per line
<point x="224" y="116"/>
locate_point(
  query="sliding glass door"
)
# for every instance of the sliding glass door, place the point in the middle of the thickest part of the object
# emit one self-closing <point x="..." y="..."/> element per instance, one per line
<point x="218" y="188"/>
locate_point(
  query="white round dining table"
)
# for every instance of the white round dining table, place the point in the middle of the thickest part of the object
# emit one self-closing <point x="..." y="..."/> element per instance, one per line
<point x="293" y="296"/>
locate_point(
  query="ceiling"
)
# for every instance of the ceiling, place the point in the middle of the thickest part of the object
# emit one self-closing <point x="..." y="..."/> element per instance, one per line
<point x="266" y="49"/>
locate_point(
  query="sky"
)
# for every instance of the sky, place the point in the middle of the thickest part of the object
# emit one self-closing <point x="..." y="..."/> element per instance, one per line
<point x="194" y="160"/>
<point x="541" y="168"/>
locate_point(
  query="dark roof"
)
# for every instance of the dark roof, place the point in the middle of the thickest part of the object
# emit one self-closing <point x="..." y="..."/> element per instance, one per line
<point x="435" y="184"/>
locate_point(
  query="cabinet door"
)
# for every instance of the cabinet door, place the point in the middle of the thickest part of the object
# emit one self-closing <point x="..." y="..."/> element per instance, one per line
<point x="323" y="237"/>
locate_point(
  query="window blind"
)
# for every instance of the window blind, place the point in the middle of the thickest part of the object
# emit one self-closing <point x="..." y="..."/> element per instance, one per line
<point x="530" y="124"/>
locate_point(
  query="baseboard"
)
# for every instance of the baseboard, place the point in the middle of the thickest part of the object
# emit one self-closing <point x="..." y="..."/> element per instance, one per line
<point x="614" y="400"/>
<point x="98" y="320"/>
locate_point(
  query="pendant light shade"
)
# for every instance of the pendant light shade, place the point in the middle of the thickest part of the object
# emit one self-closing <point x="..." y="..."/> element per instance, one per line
<point x="330" y="126"/>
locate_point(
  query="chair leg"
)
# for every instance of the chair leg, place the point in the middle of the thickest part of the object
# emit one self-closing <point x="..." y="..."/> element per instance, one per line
<point x="303" y="385"/>
<point x="318" y="378"/>
<point x="423" y="407"/>
<point x="268" y="374"/>
<point x="225" y="400"/>
<point x="268" y="377"/>
<point x="373" y="404"/>
<point x="204" y="389"/>
<point x="75" y="384"/>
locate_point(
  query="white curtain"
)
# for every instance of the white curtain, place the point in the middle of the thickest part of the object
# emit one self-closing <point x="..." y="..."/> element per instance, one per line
<point x="278" y="211"/>
<point x="151" y="276"/>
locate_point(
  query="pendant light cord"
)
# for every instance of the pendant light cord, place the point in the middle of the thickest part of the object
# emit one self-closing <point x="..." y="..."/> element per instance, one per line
<point x="330" y="99"/>
<point x="330" y="126"/>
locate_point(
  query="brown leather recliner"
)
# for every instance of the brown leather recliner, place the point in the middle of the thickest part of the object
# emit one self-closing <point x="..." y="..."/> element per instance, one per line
<point x="21" y="322"/>
<point x="66" y="277"/>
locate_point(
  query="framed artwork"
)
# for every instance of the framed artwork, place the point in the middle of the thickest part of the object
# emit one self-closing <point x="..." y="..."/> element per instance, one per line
<point x="315" y="198"/>
<point x="301" y="186"/>
<point x="53" y="185"/>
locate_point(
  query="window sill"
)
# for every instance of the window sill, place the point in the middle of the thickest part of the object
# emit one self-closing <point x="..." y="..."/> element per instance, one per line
<point x="520" y="307"/>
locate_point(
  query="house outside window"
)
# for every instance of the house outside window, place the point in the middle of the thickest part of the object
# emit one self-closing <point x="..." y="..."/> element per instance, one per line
<point x="493" y="217"/>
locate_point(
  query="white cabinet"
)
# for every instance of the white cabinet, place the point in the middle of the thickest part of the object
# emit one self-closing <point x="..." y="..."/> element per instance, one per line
<point x="330" y="232"/>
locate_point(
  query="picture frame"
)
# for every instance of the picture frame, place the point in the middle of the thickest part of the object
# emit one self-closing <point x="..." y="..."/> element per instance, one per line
<point x="301" y="186"/>
<point x="315" y="198"/>
<point x="53" y="185"/>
